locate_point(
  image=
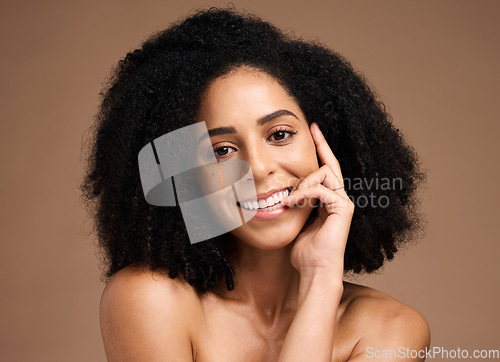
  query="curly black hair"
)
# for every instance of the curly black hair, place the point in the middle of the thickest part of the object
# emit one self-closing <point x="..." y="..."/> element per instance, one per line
<point x="157" y="89"/>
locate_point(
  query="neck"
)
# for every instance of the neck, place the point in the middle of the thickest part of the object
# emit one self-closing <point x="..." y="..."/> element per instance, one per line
<point x="265" y="281"/>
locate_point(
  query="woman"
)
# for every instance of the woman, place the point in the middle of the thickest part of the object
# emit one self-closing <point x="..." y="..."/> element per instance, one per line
<point x="272" y="289"/>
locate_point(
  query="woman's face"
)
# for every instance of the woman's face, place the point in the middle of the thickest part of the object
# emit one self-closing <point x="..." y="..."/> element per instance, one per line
<point x="251" y="117"/>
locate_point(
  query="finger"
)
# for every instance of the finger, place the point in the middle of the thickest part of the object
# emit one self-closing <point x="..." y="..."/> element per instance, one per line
<point x="325" y="176"/>
<point x="325" y="153"/>
<point x="331" y="200"/>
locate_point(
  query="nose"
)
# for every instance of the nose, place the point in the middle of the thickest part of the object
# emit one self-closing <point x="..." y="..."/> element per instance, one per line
<point x="261" y="161"/>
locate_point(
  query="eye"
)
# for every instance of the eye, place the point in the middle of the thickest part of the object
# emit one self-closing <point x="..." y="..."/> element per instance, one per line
<point x="280" y="135"/>
<point x="222" y="151"/>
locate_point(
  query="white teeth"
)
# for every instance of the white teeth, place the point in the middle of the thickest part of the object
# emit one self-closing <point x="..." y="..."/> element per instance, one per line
<point x="272" y="200"/>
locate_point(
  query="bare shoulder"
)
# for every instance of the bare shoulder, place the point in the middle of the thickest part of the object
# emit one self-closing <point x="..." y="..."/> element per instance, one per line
<point x="145" y="315"/>
<point x="383" y="322"/>
<point x="147" y="285"/>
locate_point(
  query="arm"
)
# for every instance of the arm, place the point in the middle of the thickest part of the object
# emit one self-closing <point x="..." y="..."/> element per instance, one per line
<point x="318" y="255"/>
<point x="310" y="337"/>
<point x="142" y="319"/>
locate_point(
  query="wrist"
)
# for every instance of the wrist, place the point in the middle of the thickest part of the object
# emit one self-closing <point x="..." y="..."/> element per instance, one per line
<point x="328" y="287"/>
<point x="335" y="273"/>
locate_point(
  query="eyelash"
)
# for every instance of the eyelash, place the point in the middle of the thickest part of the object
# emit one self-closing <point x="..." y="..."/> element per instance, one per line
<point x="291" y="132"/>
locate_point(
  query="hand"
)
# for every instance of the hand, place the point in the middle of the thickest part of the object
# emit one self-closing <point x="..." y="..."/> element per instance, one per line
<point x="320" y="246"/>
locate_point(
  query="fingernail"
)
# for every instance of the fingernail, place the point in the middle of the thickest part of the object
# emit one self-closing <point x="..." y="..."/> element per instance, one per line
<point x="315" y="125"/>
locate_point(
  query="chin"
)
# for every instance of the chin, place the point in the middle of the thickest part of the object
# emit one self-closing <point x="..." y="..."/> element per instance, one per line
<point x="272" y="236"/>
<point x="269" y="244"/>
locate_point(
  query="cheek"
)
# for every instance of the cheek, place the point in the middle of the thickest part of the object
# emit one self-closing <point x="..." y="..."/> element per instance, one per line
<point x="301" y="159"/>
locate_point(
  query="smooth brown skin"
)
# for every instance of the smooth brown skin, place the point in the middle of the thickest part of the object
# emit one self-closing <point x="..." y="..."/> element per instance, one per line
<point x="289" y="301"/>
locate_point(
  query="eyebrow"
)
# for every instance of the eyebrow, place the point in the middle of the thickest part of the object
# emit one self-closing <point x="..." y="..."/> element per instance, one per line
<point x="261" y="121"/>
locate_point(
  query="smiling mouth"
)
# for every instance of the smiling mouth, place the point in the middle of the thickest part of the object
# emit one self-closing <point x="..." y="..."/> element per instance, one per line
<point x="272" y="202"/>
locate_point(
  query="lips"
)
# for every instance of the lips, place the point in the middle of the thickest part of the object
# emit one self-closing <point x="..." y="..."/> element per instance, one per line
<point x="266" y="200"/>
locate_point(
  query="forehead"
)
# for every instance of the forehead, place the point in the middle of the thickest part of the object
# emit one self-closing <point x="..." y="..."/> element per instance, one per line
<point x="244" y="93"/>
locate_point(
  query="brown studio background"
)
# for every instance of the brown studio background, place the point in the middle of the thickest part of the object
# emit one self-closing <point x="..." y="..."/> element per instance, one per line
<point x="434" y="64"/>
